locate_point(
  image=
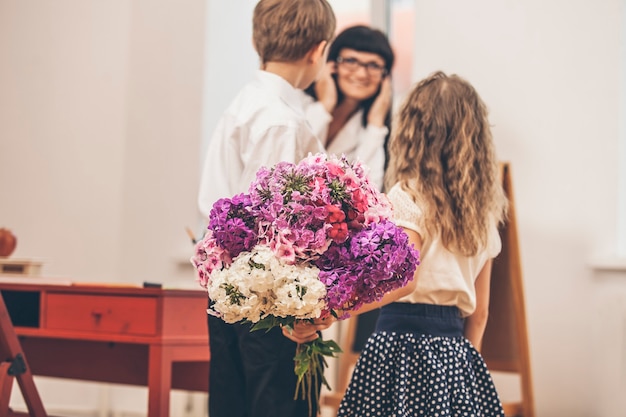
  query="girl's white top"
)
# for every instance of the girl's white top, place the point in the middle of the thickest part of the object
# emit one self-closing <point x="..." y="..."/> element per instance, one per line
<point x="443" y="277"/>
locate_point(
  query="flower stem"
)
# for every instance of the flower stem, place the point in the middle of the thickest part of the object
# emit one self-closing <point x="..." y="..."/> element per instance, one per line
<point x="309" y="365"/>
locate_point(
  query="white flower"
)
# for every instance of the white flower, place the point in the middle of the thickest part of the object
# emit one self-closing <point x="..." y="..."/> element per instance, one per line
<point x="258" y="284"/>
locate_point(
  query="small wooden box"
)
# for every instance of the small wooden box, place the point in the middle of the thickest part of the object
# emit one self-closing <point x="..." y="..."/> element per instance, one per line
<point x="13" y="266"/>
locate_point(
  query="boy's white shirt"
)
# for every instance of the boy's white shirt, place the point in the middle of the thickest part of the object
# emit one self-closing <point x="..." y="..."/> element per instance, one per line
<point x="352" y="140"/>
<point x="264" y="124"/>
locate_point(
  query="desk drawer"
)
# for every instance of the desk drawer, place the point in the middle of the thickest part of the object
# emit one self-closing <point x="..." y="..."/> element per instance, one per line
<point x="102" y="314"/>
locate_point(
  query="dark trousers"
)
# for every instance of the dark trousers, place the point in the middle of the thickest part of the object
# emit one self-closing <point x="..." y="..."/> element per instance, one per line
<point x="252" y="373"/>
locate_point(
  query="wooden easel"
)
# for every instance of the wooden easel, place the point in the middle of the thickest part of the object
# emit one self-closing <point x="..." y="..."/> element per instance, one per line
<point x="505" y="343"/>
<point x="13" y="365"/>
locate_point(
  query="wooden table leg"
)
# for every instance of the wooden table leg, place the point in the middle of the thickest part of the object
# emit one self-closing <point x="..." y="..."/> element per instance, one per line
<point x="159" y="381"/>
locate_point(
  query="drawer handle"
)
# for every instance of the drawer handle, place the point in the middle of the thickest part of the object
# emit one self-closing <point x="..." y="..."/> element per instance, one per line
<point x="97" y="315"/>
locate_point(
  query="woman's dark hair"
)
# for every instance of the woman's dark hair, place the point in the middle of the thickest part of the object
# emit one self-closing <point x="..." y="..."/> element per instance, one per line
<point x="363" y="39"/>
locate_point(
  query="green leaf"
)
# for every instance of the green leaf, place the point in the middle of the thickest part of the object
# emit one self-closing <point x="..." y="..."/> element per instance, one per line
<point x="269" y="322"/>
<point x="266" y="323"/>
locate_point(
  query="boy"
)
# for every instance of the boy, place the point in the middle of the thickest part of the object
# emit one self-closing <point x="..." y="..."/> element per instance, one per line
<point x="252" y="373"/>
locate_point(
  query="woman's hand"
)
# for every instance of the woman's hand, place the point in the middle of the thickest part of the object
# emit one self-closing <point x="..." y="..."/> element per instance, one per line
<point x="304" y="331"/>
<point x="381" y="105"/>
<point x="325" y="87"/>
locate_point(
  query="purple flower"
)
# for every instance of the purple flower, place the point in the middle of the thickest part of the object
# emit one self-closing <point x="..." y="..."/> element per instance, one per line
<point x="374" y="261"/>
<point x="233" y="224"/>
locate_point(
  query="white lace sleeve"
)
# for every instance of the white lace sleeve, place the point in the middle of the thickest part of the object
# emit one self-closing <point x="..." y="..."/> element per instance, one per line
<point x="405" y="212"/>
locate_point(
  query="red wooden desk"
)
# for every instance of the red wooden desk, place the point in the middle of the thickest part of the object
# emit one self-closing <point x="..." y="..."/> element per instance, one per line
<point x="142" y="336"/>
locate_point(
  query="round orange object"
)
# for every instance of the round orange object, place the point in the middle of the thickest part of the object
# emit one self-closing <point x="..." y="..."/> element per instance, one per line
<point x="8" y="241"/>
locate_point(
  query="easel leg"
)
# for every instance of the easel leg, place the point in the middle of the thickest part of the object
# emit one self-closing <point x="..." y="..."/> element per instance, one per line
<point x="6" y="384"/>
<point x="10" y="348"/>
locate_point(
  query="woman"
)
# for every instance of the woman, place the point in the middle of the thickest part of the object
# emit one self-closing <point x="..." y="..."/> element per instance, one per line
<point x="350" y="105"/>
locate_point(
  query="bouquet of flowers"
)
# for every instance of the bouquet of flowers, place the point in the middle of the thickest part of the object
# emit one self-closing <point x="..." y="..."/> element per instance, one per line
<point x="307" y="241"/>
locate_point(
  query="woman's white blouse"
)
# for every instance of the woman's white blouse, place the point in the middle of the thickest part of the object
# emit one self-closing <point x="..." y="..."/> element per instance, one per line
<point x="353" y="140"/>
<point x="443" y="277"/>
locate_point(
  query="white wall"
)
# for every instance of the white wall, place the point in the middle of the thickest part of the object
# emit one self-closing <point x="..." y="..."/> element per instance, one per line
<point x="63" y="112"/>
<point x="621" y="226"/>
<point x="100" y="121"/>
<point x="101" y="125"/>
<point x="100" y="128"/>
<point x="229" y="61"/>
<point x="162" y="137"/>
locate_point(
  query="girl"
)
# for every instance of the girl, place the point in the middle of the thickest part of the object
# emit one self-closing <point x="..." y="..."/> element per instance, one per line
<point x="423" y="358"/>
<point x="349" y="106"/>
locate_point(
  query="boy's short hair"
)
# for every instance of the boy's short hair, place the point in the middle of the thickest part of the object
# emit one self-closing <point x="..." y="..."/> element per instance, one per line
<point x="286" y="30"/>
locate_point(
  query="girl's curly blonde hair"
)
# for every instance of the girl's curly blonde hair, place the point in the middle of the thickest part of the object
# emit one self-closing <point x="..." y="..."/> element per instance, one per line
<point x="442" y="154"/>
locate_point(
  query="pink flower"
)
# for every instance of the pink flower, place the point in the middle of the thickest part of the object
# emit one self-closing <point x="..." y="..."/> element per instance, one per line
<point x="285" y="253"/>
<point x="335" y="214"/>
<point x="203" y="278"/>
<point x="319" y="186"/>
<point x="208" y="257"/>
<point x="339" y="232"/>
<point x="283" y="245"/>
<point x="360" y="201"/>
<point x="335" y="169"/>
<point x="350" y="180"/>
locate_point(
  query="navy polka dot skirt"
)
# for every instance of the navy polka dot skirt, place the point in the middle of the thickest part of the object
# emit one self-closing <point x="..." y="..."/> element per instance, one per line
<point x="417" y="363"/>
